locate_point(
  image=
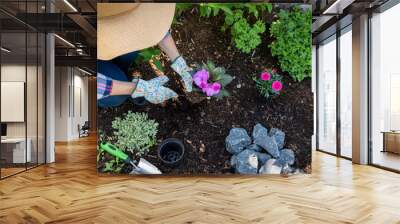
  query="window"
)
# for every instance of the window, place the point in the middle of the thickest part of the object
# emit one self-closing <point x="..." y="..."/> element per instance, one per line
<point x="385" y="89"/>
<point x="22" y="66"/>
<point x="327" y="96"/>
<point x="346" y="95"/>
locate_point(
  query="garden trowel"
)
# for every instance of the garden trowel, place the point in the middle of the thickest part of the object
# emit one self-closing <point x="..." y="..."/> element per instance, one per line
<point x="143" y="167"/>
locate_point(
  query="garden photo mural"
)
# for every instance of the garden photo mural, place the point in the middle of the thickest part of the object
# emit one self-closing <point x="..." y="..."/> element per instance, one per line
<point x="207" y="88"/>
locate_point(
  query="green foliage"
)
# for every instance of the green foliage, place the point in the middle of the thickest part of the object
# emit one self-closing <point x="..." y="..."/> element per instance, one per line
<point x="113" y="166"/>
<point x="265" y="86"/>
<point x="245" y="36"/>
<point x="218" y="74"/>
<point x="150" y="55"/>
<point x="292" y="44"/>
<point x="135" y="133"/>
<point x="180" y="8"/>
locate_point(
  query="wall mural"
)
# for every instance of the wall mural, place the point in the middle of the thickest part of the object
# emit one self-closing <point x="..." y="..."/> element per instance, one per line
<point x="206" y="88"/>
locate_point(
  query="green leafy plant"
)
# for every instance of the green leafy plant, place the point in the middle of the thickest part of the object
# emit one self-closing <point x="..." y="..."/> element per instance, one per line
<point x="292" y="44"/>
<point x="212" y="80"/>
<point x="269" y="83"/>
<point x="150" y="55"/>
<point x="135" y="133"/>
<point x="113" y="166"/>
<point x="246" y="35"/>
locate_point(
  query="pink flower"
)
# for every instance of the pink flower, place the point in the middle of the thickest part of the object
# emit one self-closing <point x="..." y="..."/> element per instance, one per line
<point x="212" y="89"/>
<point x="200" y="78"/>
<point x="203" y="85"/>
<point x="277" y="86"/>
<point x="265" y="76"/>
<point x="216" y="86"/>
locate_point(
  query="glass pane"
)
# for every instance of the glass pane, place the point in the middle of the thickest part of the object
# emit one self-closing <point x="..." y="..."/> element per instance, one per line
<point x="41" y="99"/>
<point x="327" y="96"/>
<point x="13" y="86"/>
<point x="32" y="98"/>
<point x="346" y="94"/>
<point x="386" y="89"/>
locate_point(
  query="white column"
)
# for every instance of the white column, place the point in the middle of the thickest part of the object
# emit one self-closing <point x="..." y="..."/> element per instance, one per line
<point x="360" y="90"/>
<point x="50" y="94"/>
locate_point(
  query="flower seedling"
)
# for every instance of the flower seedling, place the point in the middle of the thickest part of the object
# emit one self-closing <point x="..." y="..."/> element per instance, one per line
<point x="269" y="83"/>
<point x="212" y="80"/>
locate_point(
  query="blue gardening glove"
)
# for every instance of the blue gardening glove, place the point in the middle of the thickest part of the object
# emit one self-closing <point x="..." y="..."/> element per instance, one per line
<point x="180" y="67"/>
<point x="153" y="90"/>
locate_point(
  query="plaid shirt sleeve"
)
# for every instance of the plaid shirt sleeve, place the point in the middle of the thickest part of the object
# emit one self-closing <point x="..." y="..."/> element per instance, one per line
<point x="104" y="86"/>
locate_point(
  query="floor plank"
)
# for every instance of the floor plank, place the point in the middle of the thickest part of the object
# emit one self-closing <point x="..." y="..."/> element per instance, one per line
<point x="70" y="191"/>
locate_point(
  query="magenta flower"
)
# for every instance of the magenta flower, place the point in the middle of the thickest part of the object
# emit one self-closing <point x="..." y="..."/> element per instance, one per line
<point x="265" y="76"/>
<point x="203" y="85"/>
<point x="212" y="89"/>
<point x="277" y="86"/>
<point x="216" y="86"/>
<point x="200" y="78"/>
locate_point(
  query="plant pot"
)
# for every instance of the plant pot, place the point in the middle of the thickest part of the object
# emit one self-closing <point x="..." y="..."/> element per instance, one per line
<point x="171" y="151"/>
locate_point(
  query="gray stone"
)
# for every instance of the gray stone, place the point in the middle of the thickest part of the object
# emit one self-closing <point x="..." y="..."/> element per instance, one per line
<point x="233" y="160"/>
<point x="286" y="157"/>
<point x="279" y="137"/>
<point x="271" y="167"/>
<point x="247" y="162"/>
<point x="237" y="140"/>
<point x="263" y="157"/>
<point x="287" y="170"/>
<point x="269" y="144"/>
<point x="261" y="138"/>
<point x="259" y="132"/>
<point x="254" y="147"/>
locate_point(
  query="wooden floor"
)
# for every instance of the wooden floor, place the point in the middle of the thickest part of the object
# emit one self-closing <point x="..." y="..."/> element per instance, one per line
<point x="387" y="159"/>
<point x="70" y="191"/>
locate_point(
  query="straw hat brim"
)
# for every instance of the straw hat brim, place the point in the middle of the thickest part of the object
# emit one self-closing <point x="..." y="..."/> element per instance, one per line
<point x="140" y="28"/>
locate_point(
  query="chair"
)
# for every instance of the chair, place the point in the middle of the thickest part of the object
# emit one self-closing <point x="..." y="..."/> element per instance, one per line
<point x="84" y="130"/>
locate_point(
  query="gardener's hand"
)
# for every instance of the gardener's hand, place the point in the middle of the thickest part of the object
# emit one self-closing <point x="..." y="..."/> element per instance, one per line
<point x="153" y="90"/>
<point x="180" y="67"/>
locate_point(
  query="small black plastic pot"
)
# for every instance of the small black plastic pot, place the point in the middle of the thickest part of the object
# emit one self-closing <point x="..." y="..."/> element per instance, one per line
<point x="171" y="151"/>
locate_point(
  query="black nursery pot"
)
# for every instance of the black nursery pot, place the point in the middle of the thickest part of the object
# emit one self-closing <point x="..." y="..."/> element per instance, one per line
<point x="171" y="151"/>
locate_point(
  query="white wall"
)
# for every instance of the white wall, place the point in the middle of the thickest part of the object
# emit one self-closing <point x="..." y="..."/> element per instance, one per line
<point x="10" y="73"/>
<point x="34" y="125"/>
<point x="71" y="94"/>
<point x="62" y="81"/>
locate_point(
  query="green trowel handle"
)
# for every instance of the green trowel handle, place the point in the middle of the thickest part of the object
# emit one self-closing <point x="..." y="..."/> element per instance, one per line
<point x="114" y="151"/>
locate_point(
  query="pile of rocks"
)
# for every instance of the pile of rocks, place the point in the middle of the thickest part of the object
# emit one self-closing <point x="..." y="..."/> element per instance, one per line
<point x="264" y="155"/>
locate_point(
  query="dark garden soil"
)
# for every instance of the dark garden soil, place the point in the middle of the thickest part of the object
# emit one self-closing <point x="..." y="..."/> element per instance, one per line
<point x="204" y="126"/>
